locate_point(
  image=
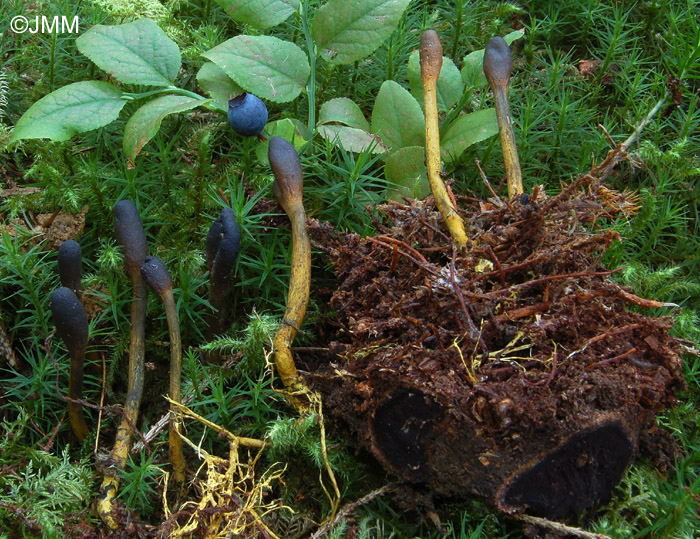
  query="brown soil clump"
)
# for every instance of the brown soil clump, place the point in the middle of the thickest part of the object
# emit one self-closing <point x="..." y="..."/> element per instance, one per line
<point x="516" y="371"/>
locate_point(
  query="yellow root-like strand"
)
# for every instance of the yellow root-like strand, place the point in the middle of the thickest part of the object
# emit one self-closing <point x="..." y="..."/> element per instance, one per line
<point x="122" y="444"/>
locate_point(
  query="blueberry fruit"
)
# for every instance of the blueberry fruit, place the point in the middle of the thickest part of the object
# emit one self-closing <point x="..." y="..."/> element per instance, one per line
<point x="247" y="115"/>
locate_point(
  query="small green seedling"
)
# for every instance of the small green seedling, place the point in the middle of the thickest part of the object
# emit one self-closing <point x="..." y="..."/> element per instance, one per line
<point x="498" y="64"/>
<point x="72" y="326"/>
<point x="157" y="277"/>
<point x="287" y="187"/>
<point x="132" y="239"/>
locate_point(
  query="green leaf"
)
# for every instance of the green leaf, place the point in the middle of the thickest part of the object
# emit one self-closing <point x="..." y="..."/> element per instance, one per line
<point x="343" y="111"/>
<point x="473" y="65"/>
<point x="145" y="122"/>
<point x="466" y="130"/>
<point x="137" y="52"/>
<point x="259" y="13"/>
<point x="73" y="109"/>
<point x="351" y="138"/>
<point x="266" y="66"/>
<point x="217" y="84"/>
<point x="348" y="31"/>
<point x="397" y="117"/>
<point x="292" y="130"/>
<point x="406" y="170"/>
<point x="449" y="86"/>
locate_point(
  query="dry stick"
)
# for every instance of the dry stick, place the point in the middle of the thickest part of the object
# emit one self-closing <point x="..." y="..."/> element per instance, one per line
<point x="132" y="238"/>
<point x="498" y="64"/>
<point x="559" y="527"/>
<point x="72" y="326"/>
<point x="287" y="187"/>
<point x="430" y="65"/>
<point x="157" y="277"/>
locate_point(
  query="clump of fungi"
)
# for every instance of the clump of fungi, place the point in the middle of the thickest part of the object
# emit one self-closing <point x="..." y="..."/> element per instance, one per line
<point x="526" y="381"/>
<point x="132" y="239"/>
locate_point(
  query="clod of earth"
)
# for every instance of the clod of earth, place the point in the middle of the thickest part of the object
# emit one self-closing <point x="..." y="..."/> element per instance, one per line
<point x="430" y="65"/>
<point x="157" y="277"/>
<point x="222" y="246"/>
<point x="70" y="265"/>
<point x="132" y="239"/>
<point x="72" y="326"/>
<point x="287" y="187"/>
<point x="247" y="114"/>
<point x="498" y="64"/>
<point x="530" y="386"/>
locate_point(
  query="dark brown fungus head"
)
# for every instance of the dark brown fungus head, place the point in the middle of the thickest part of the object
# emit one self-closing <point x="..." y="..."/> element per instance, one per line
<point x="156" y="275"/>
<point x="130" y="236"/>
<point x="223" y="228"/>
<point x="70" y="264"/>
<point x="498" y="63"/>
<point x="70" y="320"/>
<point x="286" y="166"/>
<point x="430" y="55"/>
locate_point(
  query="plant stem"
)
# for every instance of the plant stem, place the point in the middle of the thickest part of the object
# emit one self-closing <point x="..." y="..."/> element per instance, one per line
<point x="211" y="105"/>
<point x="311" y="85"/>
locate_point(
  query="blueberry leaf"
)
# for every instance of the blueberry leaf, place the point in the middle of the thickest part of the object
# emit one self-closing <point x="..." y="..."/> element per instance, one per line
<point x="145" y="122"/>
<point x="73" y="109"/>
<point x="259" y="13"/>
<point x="137" y="52"/>
<point x="351" y="138"/>
<point x="466" y="130"/>
<point x="405" y="170"/>
<point x="397" y="117"/>
<point x="344" y="111"/>
<point x="271" y="68"/>
<point x="348" y="31"/>
<point x="217" y="84"/>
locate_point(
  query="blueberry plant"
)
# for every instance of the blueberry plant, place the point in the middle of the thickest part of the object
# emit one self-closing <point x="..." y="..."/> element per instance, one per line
<point x="243" y="72"/>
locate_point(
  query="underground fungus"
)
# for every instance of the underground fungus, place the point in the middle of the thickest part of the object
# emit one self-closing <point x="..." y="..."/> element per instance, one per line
<point x="430" y="65"/>
<point x="498" y="64"/>
<point x="287" y="187"/>
<point x="132" y="239"/>
<point x="70" y="265"/>
<point x="222" y="245"/>
<point x="72" y="326"/>
<point x="157" y="277"/>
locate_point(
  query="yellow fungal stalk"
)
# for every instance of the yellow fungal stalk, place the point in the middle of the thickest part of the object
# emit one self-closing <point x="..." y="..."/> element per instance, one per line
<point x="430" y="65"/>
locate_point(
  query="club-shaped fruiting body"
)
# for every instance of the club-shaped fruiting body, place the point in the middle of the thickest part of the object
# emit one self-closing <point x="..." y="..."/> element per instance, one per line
<point x="72" y="326"/>
<point x="132" y="239"/>
<point x="287" y="187"/>
<point x="158" y="279"/>
<point x="222" y="246"/>
<point x="70" y="265"/>
<point x="498" y="64"/>
<point x="247" y="114"/>
<point x="430" y="65"/>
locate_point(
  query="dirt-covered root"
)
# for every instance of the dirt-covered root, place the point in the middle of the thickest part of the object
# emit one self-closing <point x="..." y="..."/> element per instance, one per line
<point x="515" y="372"/>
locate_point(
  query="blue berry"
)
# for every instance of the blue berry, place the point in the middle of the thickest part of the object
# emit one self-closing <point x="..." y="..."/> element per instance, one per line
<point x="247" y="115"/>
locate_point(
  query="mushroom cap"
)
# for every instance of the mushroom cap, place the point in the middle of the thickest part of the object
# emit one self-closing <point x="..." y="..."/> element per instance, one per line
<point x="498" y="61"/>
<point x="156" y="275"/>
<point x="430" y="55"/>
<point x="223" y="228"/>
<point x="130" y="235"/>
<point x="70" y="320"/>
<point x="70" y="264"/>
<point x="286" y="167"/>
